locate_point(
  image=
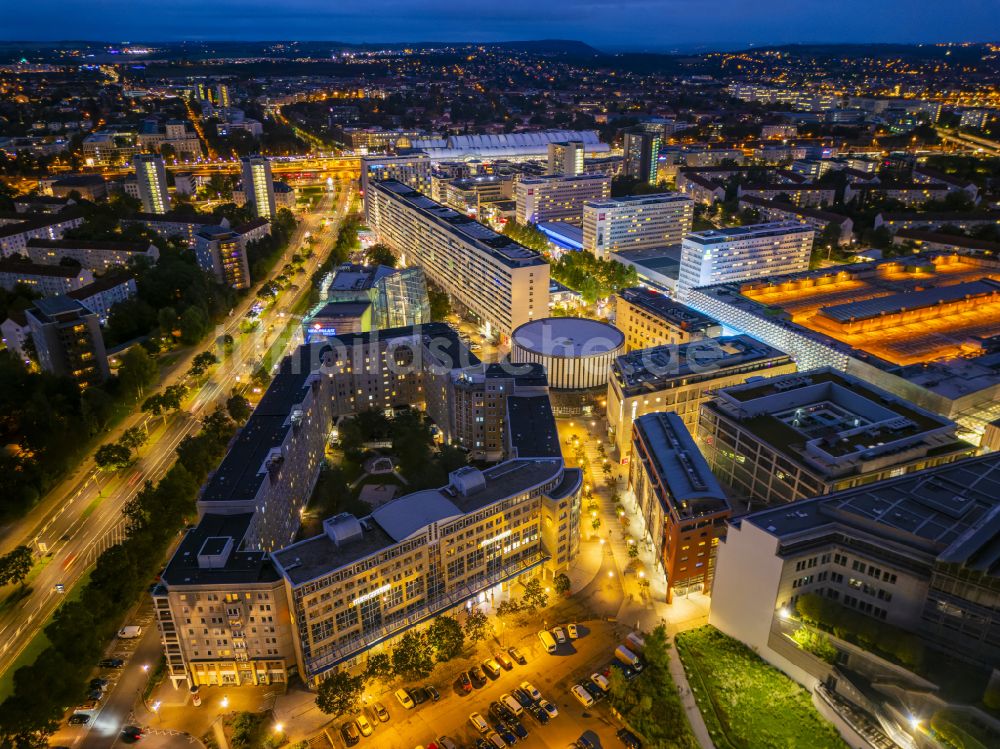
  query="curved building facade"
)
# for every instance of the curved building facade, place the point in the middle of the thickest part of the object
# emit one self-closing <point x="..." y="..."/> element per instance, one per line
<point x="577" y="353"/>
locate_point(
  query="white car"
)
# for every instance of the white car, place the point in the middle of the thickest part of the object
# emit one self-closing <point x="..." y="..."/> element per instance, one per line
<point x="364" y="725"/>
<point x="130" y="632"/>
<point x="559" y="635"/>
<point x="549" y="708"/>
<point x="532" y="692"/>
<point x="510" y="702"/>
<point x="404" y="699"/>
<point x="571" y="631"/>
<point x="601" y="681"/>
<point x="582" y="695"/>
<point x="494" y="738"/>
<point x="479" y="723"/>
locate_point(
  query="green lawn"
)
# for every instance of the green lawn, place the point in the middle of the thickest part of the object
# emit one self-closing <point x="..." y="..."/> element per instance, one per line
<point x="746" y="703"/>
<point x="37" y="645"/>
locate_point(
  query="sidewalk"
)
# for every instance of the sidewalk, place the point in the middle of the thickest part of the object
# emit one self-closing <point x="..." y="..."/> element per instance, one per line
<point x="690" y="705"/>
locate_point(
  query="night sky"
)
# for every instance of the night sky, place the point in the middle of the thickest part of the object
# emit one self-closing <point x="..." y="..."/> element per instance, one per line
<point x="607" y="24"/>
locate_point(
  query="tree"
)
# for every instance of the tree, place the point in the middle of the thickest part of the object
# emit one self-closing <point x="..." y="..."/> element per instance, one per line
<point x="133" y="438"/>
<point x="617" y="684"/>
<point x="508" y="609"/>
<point x="339" y="693"/>
<point x="477" y="626"/>
<point x="412" y="657"/>
<point x="201" y="363"/>
<point x="380" y="254"/>
<point x="112" y="457"/>
<point x="445" y="636"/>
<point x="15" y="565"/>
<point x="166" y="320"/>
<point x="238" y="408"/>
<point x="534" y="596"/>
<point x="379" y="667"/>
<point x="137" y="371"/>
<point x="194" y="325"/>
<point x="655" y="651"/>
<point x="561" y="584"/>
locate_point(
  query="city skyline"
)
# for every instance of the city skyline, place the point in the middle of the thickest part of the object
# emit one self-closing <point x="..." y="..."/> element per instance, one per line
<point x="606" y="25"/>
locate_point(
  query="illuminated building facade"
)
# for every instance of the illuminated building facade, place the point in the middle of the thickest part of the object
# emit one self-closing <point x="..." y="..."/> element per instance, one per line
<point x="636" y="222"/>
<point x="258" y="185"/>
<point x="566" y="159"/>
<point x="649" y="319"/>
<point x="151" y="175"/>
<point x="558" y="198"/>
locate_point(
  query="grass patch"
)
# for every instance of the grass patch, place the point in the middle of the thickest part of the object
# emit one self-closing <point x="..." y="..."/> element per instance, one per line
<point x="746" y="703"/>
<point x="956" y="729"/>
<point x="37" y="644"/>
<point x="650" y="703"/>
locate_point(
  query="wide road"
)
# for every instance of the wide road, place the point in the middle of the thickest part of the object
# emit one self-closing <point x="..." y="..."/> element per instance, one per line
<point x="71" y="529"/>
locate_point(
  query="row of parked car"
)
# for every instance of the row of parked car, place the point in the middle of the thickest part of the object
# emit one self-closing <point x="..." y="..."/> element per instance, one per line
<point x="506" y="729"/>
<point x="96" y="690"/>
<point x="476" y="676"/>
<point x="552" y="639"/>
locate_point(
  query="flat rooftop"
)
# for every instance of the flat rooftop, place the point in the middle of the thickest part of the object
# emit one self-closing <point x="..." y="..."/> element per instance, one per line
<point x="678" y="467"/>
<point x="950" y="512"/>
<point x="241" y="472"/>
<point x="753" y="231"/>
<point x="470" y="231"/>
<point x="532" y="426"/>
<point x="241" y="567"/>
<point x="568" y="337"/>
<point x="651" y="369"/>
<point x="832" y="421"/>
<point x="639" y="200"/>
<point x="662" y="306"/>
<point x="408" y="515"/>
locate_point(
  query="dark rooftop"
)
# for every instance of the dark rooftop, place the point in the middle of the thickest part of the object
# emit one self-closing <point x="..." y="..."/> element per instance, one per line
<point x="209" y="537"/>
<point x="532" y="427"/>
<point x="667" y="309"/>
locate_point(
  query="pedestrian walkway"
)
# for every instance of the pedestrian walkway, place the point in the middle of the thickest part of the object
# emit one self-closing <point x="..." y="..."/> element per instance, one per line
<point x="690" y="704"/>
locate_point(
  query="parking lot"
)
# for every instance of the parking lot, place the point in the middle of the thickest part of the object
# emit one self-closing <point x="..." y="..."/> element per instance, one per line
<point x="553" y="675"/>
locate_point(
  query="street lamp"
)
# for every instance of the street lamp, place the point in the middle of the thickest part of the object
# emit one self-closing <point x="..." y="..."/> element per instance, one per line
<point x="279" y="728"/>
<point x="145" y="668"/>
<point x="225" y="702"/>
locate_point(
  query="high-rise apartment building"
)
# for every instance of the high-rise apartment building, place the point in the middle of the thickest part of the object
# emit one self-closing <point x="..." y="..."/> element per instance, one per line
<point x="743" y="253"/>
<point x="258" y="185"/>
<point x="222" y="252"/>
<point x="501" y="283"/>
<point x="68" y="340"/>
<point x="683" y="508"/>
<point x="642" y="151"/>
<point x="151" y="175"/>
<point x="636" y="222"/>
<point x="681" y="377"/>
<point x="556" y="197"/>
<point x="413" y="170"/>
<point x="566" y="159"/>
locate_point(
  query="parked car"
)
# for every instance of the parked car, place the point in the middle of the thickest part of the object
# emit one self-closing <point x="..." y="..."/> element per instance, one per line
<point x="95" y="694"/>
<point x="479" y="723"/>
<point x="491" y="667"/>
<point x="626" y="656"/>
<point x="477" y="676"/>
<point x="79" y="719"/>
<point x="349" y="732"/>
<point x="405" y="699"/>
<point x="547" y="640"/>
<point x="509" y="737"/>
<point x="538" y="714"/>
<point x="380" y="712"/>
<point x="130" y="632"/>
<point x="495" y="740"/>
<point x="629" y="739"/>
<point x="516" y="655"/>
<point x="572" y="631"/>
<point x="98" y="683"/>
<point x="549" y="708"/>
<point x="601" y="681"/>
<point x="584" y="743"/>
<point x="560" y="636"/>
<point x="433" y="692"/>
<point x="515" y="725"/>
<point x="532" y="692"/>
<point x="111" y="662"/>
<point x="364" y="725"/>
<point x="582" y="695"/>
<point x="419" y="695"/>
<point x="464" y="682"/>
<point x="506" y="663"/>
<point x="500" y="711"/>
<point x="513" y="705"/>
<point x="522" y="697"/>
<point x="447" y="743"/>
<point x="482" y="743"/>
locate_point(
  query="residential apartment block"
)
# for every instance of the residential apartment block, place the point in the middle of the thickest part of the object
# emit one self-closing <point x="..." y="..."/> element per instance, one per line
<point x="558" y="198"/>
<point x="743" y="253"/>
<point x="635" y="222"/>
<point x="95" y="256"/>
<point x="68" y="340"/>
<point x="501" y="283"/>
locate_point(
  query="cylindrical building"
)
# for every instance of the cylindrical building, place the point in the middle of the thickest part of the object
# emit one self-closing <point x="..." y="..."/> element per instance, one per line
<point x="577" y="353"/>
